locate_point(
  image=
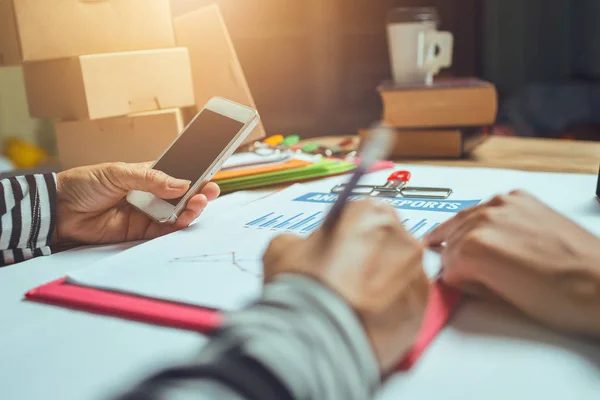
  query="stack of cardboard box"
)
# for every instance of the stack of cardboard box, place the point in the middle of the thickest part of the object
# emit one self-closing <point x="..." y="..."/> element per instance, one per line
<point x="118" y="78"/>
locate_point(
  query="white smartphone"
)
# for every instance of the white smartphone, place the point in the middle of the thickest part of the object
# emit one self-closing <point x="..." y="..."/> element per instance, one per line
<point x="197" y="154"/>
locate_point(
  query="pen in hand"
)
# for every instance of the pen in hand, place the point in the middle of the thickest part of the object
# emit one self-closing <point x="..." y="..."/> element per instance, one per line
<point x="376" y="147"/>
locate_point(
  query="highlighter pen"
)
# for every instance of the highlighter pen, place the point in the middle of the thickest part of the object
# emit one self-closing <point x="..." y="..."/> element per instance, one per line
<point x="377" y="147"/>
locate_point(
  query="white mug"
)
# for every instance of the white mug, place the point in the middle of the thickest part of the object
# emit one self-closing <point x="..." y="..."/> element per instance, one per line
<point x="417" y="49"/>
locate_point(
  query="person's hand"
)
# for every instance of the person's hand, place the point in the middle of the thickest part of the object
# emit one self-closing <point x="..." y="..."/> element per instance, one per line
<point x="91" y="207"/>
<point x="516" y="248"/>
<point x="373" y="264"/>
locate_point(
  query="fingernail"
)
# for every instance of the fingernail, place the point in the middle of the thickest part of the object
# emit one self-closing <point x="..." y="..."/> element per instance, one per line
<point x="178" y="184"/>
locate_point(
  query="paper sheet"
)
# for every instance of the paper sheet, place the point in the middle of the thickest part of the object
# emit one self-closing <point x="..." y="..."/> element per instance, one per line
<point x="217" y="262"/>
<point x="247" y="160"/>
<point x="224" y="204"/>
<point x="239" y="161"/>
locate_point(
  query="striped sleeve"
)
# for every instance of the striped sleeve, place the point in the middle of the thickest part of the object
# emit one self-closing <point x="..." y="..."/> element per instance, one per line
<point x="28" y="216"/>
<point x="300" y="341"/>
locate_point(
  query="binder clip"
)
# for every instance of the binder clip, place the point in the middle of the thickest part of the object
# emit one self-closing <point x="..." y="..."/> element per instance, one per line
<point x="396" y="185"/>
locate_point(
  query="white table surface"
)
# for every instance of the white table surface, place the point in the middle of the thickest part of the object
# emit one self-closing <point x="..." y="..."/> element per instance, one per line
<point x="487" y="352"/>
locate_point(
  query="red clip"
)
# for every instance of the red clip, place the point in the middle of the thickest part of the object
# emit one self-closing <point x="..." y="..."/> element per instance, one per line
<point x="402" y="176"/>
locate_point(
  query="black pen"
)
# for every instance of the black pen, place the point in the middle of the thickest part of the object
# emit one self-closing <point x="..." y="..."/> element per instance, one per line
<point x="376" y="147"/>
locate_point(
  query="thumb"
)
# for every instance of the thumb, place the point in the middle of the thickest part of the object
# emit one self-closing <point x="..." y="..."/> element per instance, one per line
<point x="142" y="177"/>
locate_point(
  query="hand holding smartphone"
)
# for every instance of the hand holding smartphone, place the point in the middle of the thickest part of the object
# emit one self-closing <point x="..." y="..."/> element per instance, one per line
<point x="197" y="154"/>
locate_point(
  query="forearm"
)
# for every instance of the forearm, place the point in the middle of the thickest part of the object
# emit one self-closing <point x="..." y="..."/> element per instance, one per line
<point x="28" y="216"/>
<point x="300" y="341"/>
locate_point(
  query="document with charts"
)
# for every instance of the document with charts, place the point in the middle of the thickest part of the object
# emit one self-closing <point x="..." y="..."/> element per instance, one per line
<point x="218" y="262"/>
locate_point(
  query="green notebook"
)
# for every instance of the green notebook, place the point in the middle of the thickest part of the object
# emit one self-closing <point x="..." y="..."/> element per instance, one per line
<point x="320" y="169"/>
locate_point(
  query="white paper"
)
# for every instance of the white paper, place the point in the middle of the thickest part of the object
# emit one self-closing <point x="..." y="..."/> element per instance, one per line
<point x="217" y="262"/>
<point x="233" y="201"/>
<point x="248" y="160"/>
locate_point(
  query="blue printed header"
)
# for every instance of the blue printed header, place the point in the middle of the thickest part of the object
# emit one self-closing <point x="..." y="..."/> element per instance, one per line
<point x="448" y="206"/>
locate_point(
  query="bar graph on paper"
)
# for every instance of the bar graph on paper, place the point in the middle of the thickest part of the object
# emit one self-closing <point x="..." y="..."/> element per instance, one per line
<point x="308" y="222"/>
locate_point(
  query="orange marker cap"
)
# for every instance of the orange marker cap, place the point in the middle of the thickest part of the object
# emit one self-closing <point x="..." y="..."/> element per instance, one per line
<point x="274" y="140"/>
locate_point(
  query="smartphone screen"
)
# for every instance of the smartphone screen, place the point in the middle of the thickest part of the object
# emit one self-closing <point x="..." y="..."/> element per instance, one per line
<point x="198" y="146"/>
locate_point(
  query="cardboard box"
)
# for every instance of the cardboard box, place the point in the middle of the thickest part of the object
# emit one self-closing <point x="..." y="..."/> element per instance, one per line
<point x="36" y="30"/>
<point x="10" y="51"/>
<point x="134" y="138"/>
<point x="109" y="85"/>
<point x="216" y="70"/>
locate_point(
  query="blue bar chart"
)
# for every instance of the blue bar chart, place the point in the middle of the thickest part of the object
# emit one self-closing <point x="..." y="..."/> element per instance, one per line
<point x="300" y="222"/>
<point x="306" y="223"/>
<point x="420" y="228"/>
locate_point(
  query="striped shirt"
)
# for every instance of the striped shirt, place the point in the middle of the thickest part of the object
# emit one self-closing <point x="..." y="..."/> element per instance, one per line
<point x="299" y="341"/>
<point x="28" y="217"/>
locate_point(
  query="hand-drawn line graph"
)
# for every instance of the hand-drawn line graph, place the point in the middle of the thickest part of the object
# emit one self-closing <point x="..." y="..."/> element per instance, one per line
<point x="229" y="258"/>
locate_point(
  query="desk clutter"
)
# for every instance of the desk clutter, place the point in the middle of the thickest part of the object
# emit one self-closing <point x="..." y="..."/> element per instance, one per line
<point x="121" y="78"/>
<point x="282" y="160"/>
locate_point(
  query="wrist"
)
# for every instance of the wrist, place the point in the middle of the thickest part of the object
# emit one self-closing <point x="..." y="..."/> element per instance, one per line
<point x="589" y="285"/>
<point x="56" y="239"/>
<point x="60" y="238"/>
<point x="578" y="285"/>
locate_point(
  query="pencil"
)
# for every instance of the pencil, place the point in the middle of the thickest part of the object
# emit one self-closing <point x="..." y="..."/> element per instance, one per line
<point x="376" y="147"/>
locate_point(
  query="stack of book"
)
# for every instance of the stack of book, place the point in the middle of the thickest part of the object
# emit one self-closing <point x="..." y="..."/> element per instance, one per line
<point x="120" y="78"/>
<point x="445" y="120"/>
